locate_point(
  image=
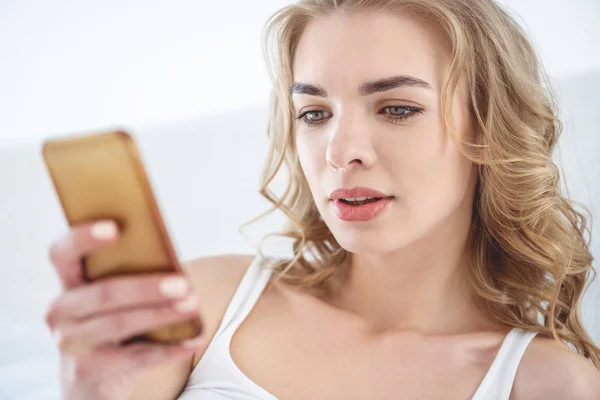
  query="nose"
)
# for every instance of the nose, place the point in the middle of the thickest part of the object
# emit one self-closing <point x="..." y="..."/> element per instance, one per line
<point x="350" y="146"/>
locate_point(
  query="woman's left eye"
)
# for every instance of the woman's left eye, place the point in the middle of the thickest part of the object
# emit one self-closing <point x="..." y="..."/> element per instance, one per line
<point x="397" y="110"/>
<point x="401" y="113"/>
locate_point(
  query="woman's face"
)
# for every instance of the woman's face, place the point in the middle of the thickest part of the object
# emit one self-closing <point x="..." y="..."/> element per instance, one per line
<point x="370" y="87"/>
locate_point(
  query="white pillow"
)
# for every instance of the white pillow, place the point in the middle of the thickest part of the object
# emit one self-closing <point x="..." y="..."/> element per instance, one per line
<point x="28" y="362"/>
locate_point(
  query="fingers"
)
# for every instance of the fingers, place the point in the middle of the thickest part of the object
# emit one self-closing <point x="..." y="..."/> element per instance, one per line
<point x="117" y="293"/>
<point x="66" y="254"/>
<point x="92" y="322"/>
<point x="117" y="327"/>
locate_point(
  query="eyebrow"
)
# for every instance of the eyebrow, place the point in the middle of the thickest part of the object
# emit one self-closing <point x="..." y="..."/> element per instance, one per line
<point x="366" y="88"/>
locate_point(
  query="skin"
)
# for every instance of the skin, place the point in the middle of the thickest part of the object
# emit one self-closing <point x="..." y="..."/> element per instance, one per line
<point x="400" y="322"/>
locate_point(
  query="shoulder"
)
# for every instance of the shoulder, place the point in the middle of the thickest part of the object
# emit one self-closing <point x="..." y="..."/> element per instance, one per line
<point x="209" y="272"/>
<point x="215" y="280"/>
<point x="551" y="370"/>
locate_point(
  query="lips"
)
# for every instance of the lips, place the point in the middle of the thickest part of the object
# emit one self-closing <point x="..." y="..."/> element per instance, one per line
<point x="361" y="211"/>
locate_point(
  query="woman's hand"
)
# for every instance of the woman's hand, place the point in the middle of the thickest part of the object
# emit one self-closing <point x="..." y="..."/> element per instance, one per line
<point x="91" y="320"/>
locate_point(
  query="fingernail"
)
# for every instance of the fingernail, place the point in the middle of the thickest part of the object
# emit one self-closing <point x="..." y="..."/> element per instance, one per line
<point x="173" y="286"/>
<point x="195" y="342"/>
<point x="187" y="305"/>
<point x="104" y="230"/>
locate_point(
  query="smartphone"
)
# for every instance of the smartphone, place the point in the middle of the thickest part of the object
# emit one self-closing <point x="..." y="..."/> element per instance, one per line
<point x="101" y="176"/>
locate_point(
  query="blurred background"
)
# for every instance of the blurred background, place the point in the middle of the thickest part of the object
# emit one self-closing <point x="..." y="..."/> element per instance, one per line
<point x="187" y="78"/>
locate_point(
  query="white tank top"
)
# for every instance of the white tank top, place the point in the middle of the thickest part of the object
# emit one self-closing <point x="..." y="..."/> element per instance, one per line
<point x="216" y="377"/>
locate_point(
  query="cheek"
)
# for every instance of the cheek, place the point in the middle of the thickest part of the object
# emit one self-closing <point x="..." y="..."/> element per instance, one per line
<point x="304" y="152"/>
<point x="437" y="174"/>
<point x="311" y="156"/>
<point x="417" y="156"/>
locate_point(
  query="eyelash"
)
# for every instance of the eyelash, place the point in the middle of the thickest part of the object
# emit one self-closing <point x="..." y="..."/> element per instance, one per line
<point x="414" y="111"/>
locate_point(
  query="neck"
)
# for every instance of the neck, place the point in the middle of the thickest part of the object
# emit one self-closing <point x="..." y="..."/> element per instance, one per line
<point x="423" y="287"/>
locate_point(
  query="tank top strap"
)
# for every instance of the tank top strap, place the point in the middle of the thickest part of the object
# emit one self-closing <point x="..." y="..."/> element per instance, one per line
<point x="513" y="359"/>
<point x="246" y="295"/>
<point x="499" y="380"/>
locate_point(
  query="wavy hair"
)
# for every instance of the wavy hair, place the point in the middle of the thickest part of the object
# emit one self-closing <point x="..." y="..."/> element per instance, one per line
<point x="530" y="257"/>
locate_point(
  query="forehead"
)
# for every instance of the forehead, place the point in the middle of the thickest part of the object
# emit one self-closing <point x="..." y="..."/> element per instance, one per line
<point x="336" y="49"/>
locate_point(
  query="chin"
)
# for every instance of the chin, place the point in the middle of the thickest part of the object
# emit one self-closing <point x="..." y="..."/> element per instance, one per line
<point x="372" y="240"/>
<point x="370" y="247"/>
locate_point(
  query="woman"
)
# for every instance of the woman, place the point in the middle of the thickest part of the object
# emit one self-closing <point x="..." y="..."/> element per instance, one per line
<point x="435" y="257"/>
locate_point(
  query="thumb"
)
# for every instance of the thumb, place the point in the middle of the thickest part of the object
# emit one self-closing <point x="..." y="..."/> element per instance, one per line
<point x="69" y="252"/>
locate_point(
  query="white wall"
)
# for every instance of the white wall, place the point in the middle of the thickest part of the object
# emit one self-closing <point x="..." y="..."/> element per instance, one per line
<point x="565" y="33"/>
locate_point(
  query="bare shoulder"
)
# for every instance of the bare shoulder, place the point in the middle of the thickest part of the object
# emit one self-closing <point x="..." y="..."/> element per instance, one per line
<point x="551" y="370"/>
<point x="210" y="275"/>
<point x="215" y="279"/>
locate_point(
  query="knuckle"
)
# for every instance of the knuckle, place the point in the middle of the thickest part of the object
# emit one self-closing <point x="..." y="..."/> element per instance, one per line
<point x="119" y="322"/>
<point x="55" y="253"/>
<point x="76" y="240"/>
<point x="103" y="293"/>
<point x="50" y="314"/>
<point x="140" y="288"/>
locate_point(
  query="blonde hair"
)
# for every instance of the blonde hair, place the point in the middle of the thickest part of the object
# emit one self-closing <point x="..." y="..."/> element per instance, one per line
<point x="530" y="259"/>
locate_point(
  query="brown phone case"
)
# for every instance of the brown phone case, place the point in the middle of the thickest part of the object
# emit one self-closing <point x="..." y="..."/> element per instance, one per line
<point x="101" y="176"/>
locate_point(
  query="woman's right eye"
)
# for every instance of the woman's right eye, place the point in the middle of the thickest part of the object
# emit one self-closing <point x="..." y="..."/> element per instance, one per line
<point x="312" y="118"/>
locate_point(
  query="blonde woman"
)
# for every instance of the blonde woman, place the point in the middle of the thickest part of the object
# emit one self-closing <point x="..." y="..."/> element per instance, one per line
<point x="435" y="256"/>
